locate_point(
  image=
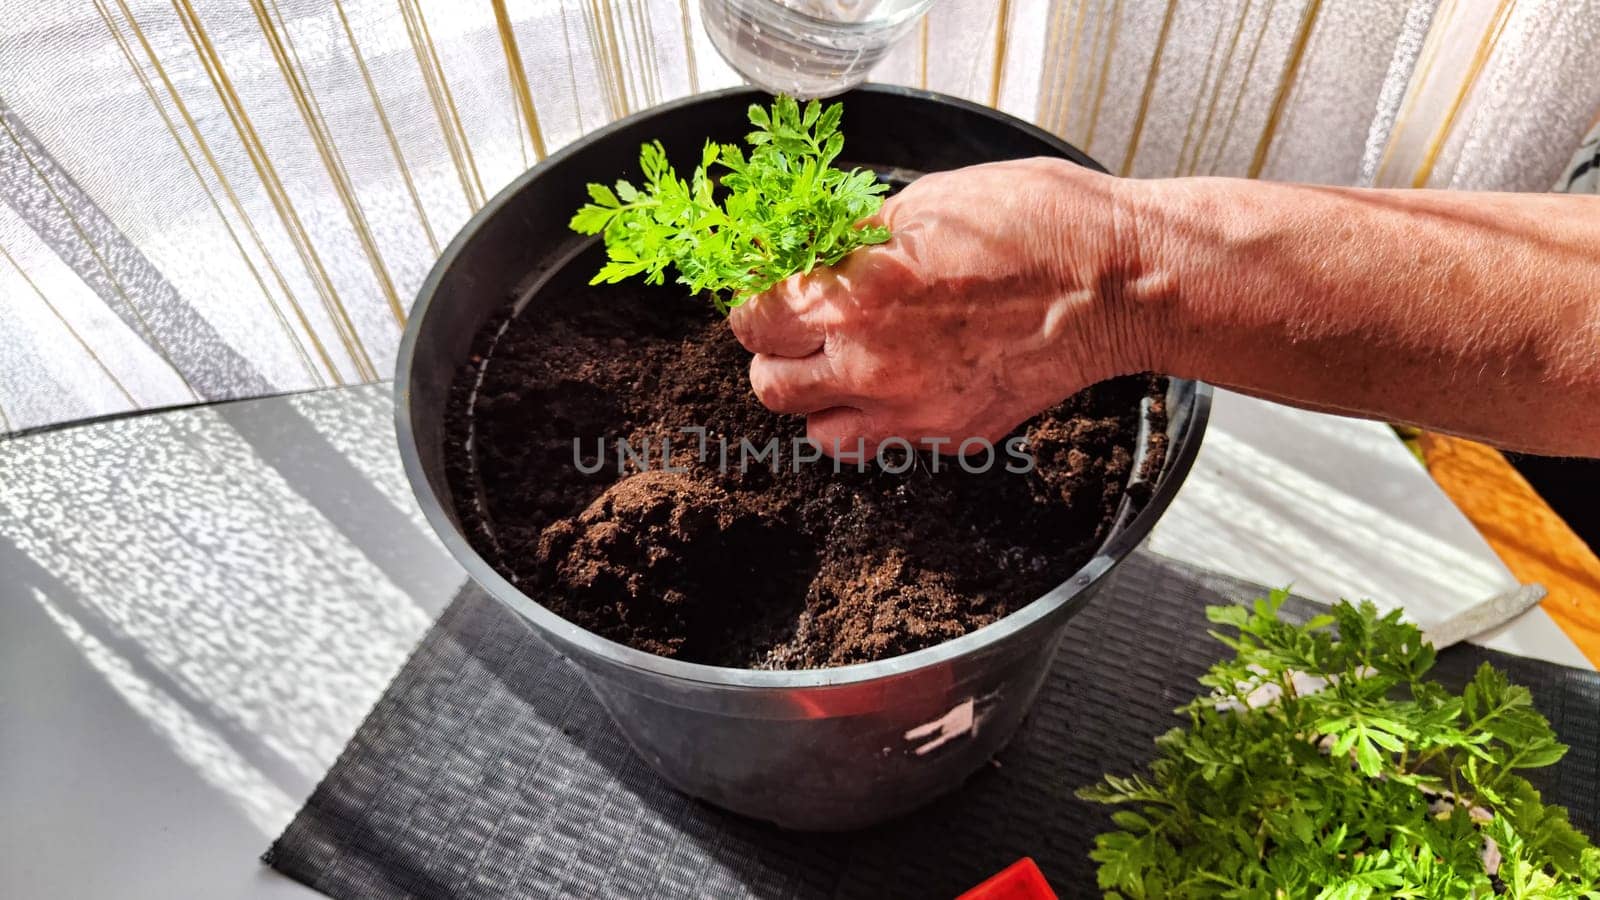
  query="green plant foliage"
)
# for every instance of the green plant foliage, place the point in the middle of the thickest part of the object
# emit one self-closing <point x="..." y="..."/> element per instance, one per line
<point x="783" y="210"/>
<point x="1378" y="784"/>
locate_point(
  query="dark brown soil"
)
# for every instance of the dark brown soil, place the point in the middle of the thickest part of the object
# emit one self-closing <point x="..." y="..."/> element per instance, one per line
<point x="796" y="569"/>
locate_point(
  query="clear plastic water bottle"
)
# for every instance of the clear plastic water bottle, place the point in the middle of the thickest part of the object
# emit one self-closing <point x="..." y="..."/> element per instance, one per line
<point x="808" y="48"/>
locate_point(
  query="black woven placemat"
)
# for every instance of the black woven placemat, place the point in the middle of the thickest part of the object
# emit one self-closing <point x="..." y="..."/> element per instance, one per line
<point x="488" y="770"/>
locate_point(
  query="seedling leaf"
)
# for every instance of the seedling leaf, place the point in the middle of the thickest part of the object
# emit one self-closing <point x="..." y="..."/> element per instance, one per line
<point x="1379" y="784"/>
<point x="740" y="224"/>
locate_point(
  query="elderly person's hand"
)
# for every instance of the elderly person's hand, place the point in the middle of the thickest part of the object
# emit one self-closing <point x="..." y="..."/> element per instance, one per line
<point x="997" y="296"/>
<point x="1007" y="287"/>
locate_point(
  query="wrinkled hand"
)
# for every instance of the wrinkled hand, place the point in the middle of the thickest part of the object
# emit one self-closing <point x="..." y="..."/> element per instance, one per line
<point x="994" y="299"/>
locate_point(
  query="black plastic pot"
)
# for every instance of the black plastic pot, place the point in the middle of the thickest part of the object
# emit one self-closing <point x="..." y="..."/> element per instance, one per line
<point x="817" y="749"/>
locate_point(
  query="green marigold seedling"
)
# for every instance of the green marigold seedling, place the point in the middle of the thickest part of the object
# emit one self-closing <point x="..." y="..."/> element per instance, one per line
<point x="1362" y="780"/>
<point x="783" y="209"/>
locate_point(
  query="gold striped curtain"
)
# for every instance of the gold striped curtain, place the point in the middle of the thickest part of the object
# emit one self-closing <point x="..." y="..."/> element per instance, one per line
<point x="210" y="199"/>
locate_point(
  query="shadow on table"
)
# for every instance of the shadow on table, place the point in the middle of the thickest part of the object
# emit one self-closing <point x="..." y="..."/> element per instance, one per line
<point x="231" y="574"/>
<point x="223" y="751"/>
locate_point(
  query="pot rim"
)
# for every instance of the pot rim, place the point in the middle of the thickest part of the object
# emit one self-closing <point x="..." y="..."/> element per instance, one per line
<point x="1180" y="457"/>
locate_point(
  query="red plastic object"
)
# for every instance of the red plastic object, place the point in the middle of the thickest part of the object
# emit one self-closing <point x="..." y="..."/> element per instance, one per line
<point x="1021" y="880"/>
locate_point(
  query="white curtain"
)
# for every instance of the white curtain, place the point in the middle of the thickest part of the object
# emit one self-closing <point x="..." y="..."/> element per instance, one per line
<point x="210" y="199"/>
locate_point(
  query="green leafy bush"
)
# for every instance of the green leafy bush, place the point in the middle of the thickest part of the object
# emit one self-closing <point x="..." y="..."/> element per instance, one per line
<point x="1328" y="767"/>
<point x="783" y="210"/>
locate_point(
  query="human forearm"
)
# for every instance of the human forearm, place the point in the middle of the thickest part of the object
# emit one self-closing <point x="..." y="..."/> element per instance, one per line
<point x="1472" y="313"/>
<point x="1007" y="287"/>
